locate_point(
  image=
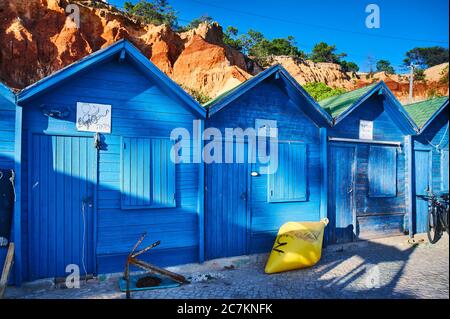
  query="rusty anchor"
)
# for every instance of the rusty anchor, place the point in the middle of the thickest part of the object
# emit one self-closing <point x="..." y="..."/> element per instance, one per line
<point x="132" y="260"/>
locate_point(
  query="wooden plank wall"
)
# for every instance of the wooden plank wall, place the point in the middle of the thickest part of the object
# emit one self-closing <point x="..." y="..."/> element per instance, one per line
<point x="7" y="125"/>
<point x="384" y="216"/>
<point x="7" y="129"/>
<point x="436" y="134"/>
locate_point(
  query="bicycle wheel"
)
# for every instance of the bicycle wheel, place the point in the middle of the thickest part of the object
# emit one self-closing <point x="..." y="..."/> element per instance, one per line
<point x="433" y="231"/>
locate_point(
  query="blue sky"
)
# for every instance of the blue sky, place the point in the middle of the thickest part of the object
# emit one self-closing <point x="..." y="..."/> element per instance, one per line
<point x="404" y="24"/>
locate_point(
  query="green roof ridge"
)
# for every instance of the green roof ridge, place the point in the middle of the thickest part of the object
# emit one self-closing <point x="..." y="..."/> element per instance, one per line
<point x="422" y="111"/>
<point x="337" y="104"/>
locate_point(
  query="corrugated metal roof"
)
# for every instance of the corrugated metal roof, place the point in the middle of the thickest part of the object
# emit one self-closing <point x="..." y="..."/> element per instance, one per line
<point x="421" y="112"/>
<point x="336" y="105"/>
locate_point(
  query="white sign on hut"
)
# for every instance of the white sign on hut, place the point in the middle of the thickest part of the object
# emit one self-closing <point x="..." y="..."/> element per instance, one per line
<point x="93" y="117"/>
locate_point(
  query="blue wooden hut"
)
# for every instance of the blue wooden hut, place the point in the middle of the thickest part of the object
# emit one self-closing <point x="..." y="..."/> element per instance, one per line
<point x="430" y="155"/>
<point x="369" y="160"/>
<point x="7" y="141"/>
<point x="245" y="207"/>
<point x="87" y="197"/>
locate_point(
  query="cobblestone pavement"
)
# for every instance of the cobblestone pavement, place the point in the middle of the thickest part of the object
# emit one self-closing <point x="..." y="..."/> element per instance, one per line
<point x="387" y="268"/>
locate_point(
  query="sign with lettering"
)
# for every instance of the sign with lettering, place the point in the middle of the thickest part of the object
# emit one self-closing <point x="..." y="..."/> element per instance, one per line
<point x="93" y="117"/>
<point x="366" y="130"/>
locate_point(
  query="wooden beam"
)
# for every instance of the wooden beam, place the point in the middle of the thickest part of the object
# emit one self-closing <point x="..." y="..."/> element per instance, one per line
<point x="17" y="220"/>
<point x="355" y="140"/>
<point x="6" y="269"/>
<point x="411" y="183"/>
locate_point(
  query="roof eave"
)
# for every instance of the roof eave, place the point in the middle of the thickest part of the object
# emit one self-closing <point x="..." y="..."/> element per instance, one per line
<point x="355" y="105"/>
<point x="7" y="93"/>
<point x="219" y="105"/>
<point x="435" y="114"/>
<point x="67" y="72"/>
<point x="411" y="126"/>
<point x="172" y="85"/>
<point x="322" y="113"/>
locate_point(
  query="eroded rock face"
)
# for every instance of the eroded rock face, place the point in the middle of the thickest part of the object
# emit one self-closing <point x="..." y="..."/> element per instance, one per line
<point x="305" y="71"/>
<point x="37" y="39"/>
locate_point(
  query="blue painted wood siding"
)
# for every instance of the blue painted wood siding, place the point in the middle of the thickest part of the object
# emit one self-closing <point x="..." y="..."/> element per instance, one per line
<point x="7" y="126"/>
<point x="269" y="100"/>
<point x="382" y="171"/>
<point x="289" y="183"/>
<point x="435" y="138"/>
<point x="140" y="108"/>
<point x="444" y="170"/>
<point x="376" y="216"/>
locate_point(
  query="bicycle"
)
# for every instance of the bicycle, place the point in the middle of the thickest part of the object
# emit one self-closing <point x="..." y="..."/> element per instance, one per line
<point x="438" y="215"/>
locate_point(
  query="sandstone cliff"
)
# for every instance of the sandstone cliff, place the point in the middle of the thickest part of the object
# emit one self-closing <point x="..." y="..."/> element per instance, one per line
<point x="37" y="39"/>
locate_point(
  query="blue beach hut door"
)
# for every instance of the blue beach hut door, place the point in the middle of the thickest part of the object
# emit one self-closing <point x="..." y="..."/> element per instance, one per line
<point x="342" y="194"/>
<point x="422" y="176"/>
<point x="62" y="185"/>
<point x="227" y="218"/>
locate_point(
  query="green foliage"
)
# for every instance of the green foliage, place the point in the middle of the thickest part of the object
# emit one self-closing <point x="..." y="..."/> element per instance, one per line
<point x="433" y="93"/>
<point x="254" y="44"/>
<point x="199" y="96"/>
<point x="349" y="66"/>
<point x="322" y="52"/>
<point x="196" y="22"/>
<point x="230" y="38"/>
<point x="419" y="75"/>
<point x="444" y="78"/>
<point x="426" y="57"/>
<point x="385" y="66"/>
<point x="153" y="12"/>
<point x="320" y="91"/>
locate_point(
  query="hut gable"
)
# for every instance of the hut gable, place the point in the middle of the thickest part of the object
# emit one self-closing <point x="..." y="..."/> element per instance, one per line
<point x="374" y="103"/>
<point x="279" y="77"/>
<point x="424" y="112"/>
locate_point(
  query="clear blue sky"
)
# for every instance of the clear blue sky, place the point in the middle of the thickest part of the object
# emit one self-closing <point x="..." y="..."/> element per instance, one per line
<point x="404" y="23"/>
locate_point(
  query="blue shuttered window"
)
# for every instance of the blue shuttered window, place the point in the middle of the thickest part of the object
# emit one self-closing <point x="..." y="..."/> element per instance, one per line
<point x="148" y="174"/>
<point x="382" y="171"/>
<point x="289" y="182"/>
<point x="444" y="170"/>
